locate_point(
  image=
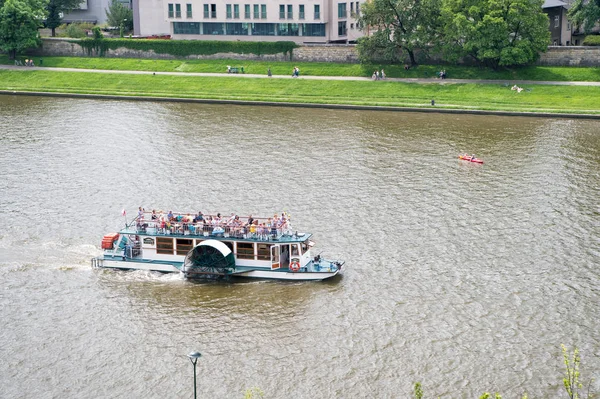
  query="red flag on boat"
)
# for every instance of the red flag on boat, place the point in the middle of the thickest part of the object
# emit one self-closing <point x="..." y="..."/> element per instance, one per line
<point x="123" y="212"/>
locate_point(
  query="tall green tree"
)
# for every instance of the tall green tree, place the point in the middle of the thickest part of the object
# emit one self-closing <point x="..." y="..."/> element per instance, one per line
<point x="56" y="10"/>
<point x="19" y="24"/>
<point x="494" y="32"/>
<point x="119" y="15"/>
<point x="585" y="14"/>
<point x="395" y="27"/>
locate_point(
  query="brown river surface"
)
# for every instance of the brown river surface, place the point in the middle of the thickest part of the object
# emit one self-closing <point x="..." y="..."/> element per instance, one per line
<point x="464" y="277"/>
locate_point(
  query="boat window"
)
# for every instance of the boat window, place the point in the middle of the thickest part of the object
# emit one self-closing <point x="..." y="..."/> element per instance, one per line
<point x="295" y="250"/>
<point x="184" y="245"/>
<point x="305" y="246"/>
<point x="164" y="245"/>
<point x="264" y="252"/>
<point x="245" y="250"/>
<point x="198" y="241"/>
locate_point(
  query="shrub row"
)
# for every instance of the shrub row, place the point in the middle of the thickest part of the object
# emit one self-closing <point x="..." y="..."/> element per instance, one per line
<point x="592" y="40"/>
<point x="184" y="48"/>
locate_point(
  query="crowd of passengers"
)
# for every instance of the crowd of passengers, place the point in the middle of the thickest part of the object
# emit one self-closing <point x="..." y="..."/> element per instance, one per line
<point x="213" y="225"/>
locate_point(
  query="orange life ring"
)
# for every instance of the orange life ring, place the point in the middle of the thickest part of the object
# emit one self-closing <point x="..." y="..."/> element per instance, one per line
<point x="295" y="266"/>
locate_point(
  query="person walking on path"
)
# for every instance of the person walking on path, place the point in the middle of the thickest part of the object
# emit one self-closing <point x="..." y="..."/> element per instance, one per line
<point x="269" y="74"/>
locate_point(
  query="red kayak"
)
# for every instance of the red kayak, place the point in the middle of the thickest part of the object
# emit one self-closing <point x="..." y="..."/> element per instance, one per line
<point x="470" y="159"/>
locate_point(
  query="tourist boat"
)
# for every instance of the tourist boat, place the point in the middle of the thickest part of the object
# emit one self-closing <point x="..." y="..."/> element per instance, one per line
<point x="470" y="158"/>
<point x="203" y="249"/>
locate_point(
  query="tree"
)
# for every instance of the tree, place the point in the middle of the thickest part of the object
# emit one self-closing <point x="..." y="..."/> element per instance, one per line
<point x="494" y="32"/>
<point x="56" y="9"/>
<point x="119" y="15"/>
<point x="398" y="26"/>
<point x="19" y="24"/>
<point x="585" y="13"/>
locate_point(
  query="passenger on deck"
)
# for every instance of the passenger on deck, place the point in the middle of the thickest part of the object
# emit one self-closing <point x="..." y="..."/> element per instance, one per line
<point x="261" y="231"/>
<point x="170" y="216"/>
<point x="230" y="219"/>
<point x="154" y="215"/>
<point x="141" y="213"/>
<point x="199" y="217"/>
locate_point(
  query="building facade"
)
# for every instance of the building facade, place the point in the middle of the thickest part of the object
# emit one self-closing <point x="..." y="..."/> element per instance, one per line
<point x="301" y="21"/>
<point x="560" y="27"/>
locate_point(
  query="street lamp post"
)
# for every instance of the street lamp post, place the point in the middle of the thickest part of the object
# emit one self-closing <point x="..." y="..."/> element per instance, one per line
<point x="194" y="356"/>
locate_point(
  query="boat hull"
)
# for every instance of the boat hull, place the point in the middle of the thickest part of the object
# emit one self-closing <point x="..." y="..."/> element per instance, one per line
<point x="250" y="273"/>
<point x="470" y="159"/>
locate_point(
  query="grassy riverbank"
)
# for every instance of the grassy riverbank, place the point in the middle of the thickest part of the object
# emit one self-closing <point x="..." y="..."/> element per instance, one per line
<point x="319" y="68"/>
<point x="539" y="98"/>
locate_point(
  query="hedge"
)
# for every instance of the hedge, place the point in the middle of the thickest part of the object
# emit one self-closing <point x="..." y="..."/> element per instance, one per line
<point x="592" y="40"/>
<point x="184" y="48"/>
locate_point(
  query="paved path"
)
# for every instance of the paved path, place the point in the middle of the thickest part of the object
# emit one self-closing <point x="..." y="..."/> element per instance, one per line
<point x="264" y="76"/>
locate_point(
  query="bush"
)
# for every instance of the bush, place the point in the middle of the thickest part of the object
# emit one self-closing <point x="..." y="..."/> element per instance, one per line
<point x="184" y="48"/>
<point x="75" y="30"/>
<point x="591" y="40"/>
<point x="97" y="34"/>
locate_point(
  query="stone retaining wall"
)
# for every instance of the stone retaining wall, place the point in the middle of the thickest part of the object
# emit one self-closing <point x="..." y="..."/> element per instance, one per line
<point x="571" y="56"/>
<point x="555" y="56"/>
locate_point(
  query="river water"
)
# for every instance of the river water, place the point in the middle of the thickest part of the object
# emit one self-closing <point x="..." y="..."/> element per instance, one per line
<point x="464" y="277"/>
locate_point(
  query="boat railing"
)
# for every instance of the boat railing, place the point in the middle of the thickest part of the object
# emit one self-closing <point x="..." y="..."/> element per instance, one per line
<point x="259" y="232"/>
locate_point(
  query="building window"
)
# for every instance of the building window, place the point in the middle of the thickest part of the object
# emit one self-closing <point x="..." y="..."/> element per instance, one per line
<point x="263" y="11"/>
<point x="351" y="7"/>
<point x="236" y="29"/>
<point x="256" y="13"/>
<point x="290" y="13"/>
<point x="188" y="10"/>
<point x="351" y="26"/>
<point x="228" y="11"/>
<point x="164" y="245"/>
<point x="206" y="14"/>
<point x="287" y="30"/>
<point x="186" y="28"/>
<point x="281" y="11"/>
<point x="342" y="10"/>
<point x="177" y="10"/>
<point x="171" y="13"/>
<point x="213" y="28"/>
<point x="556" y="21"/>
<point x="245" y="250"/>
<point x="342" y="28"/>
<point x="317" y="11"/>
<point x="236" y="11"/>
<point x="263" y="29"/>
<point x="247" y="11"/>
<point x="213" y="11"/>
<point x="301" y="11"/>
<point x="357" y="8"/>
<point x="313" y="30"/>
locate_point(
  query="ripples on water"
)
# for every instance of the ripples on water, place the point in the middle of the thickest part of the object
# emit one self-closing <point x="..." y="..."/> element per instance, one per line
<point x="464" y="277"/>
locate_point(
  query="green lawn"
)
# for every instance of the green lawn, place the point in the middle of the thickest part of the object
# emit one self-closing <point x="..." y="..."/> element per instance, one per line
<point x="556" y="99"/>
<point x="320" y="69"/>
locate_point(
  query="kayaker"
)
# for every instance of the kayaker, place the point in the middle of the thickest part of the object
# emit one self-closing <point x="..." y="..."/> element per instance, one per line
<point x="473" y="157"/>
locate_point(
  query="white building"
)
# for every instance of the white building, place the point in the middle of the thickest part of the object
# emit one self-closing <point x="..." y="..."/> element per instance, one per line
<point x="93" y="11"/>
<point x="301" y="21"/>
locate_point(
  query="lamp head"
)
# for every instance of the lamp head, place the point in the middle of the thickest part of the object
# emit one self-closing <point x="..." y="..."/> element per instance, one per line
<point x="194" y="356"/>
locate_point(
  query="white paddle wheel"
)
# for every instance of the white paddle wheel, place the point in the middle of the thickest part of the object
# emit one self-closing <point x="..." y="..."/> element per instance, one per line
<point x="209" y="260"/>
